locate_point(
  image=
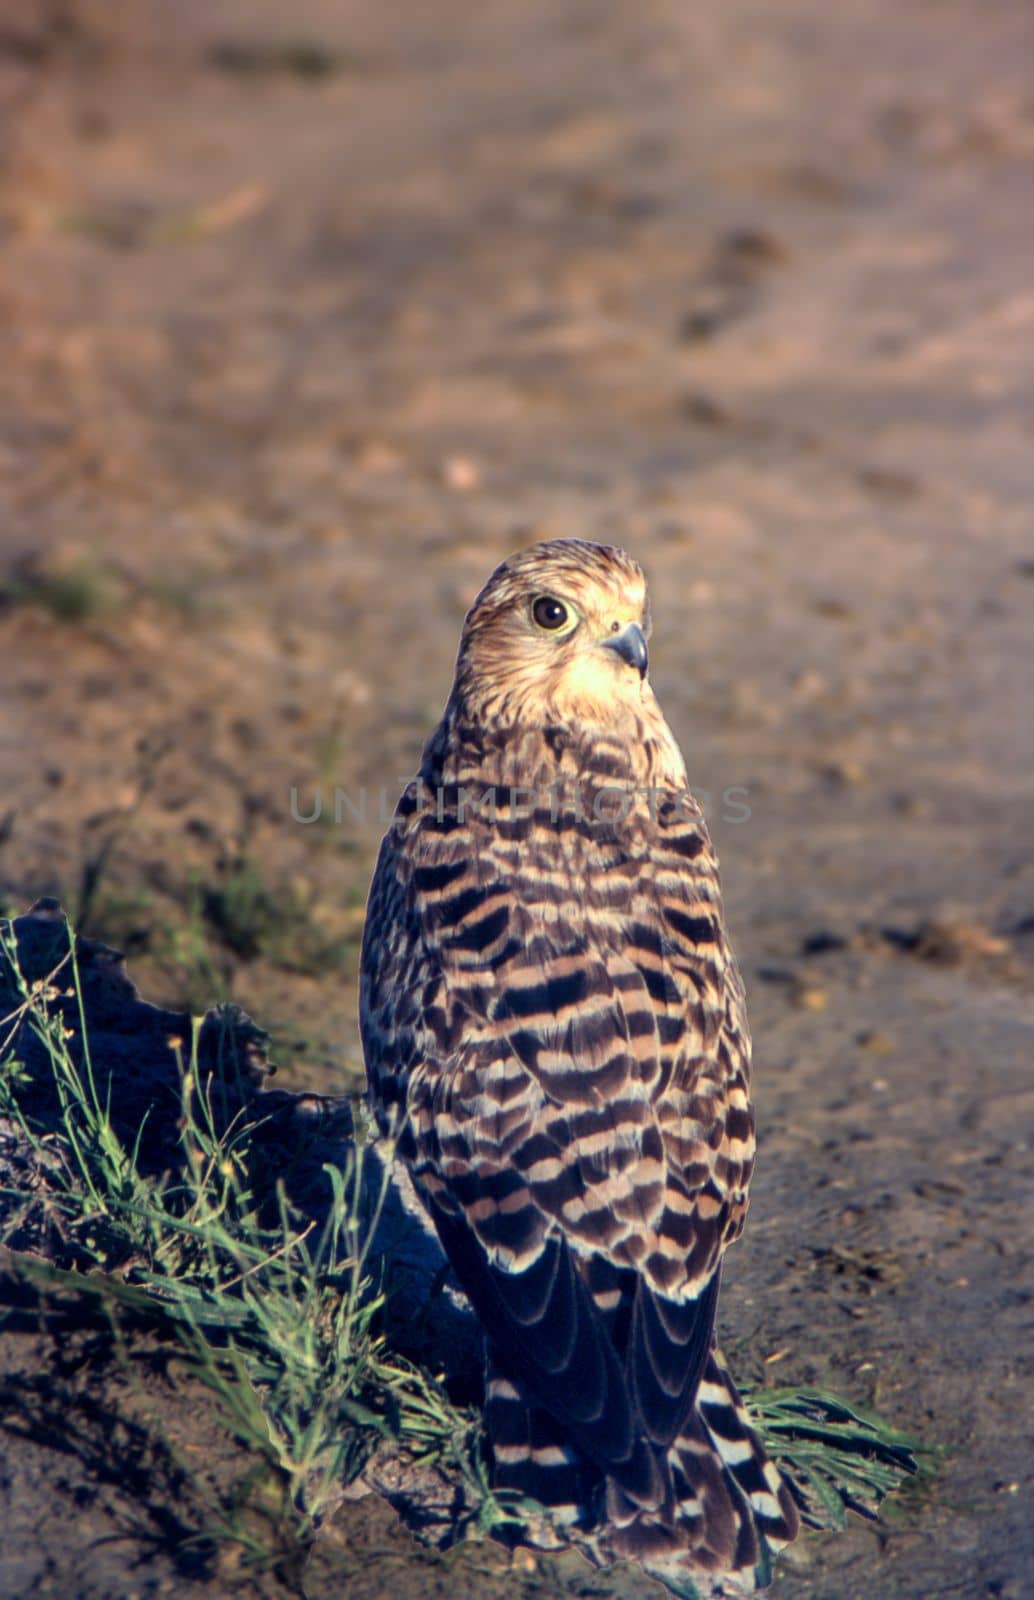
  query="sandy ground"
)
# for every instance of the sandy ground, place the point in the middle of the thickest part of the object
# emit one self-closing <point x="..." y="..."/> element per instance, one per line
<point x="311" y="314"/>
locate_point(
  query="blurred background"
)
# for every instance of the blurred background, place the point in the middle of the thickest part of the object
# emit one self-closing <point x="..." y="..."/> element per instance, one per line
<point x="311" y="314"/>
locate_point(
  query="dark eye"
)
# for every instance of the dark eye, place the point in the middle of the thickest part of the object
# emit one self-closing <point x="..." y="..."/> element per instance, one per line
<point x="549" y="613"/>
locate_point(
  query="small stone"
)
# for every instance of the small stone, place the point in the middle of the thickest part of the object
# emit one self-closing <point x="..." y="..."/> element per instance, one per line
<point x="707" y="412"/>
<point x="949" y="943"/>
<point x="885" y="481"/>
<point x="846" y="774"/>
<point x="377" y="456"/>
<point x="831" y="606"/>
<point x="822" y="942"/>
<point x="809" y="997"/>
<point x="755" y="245"/>
<point x="911" y="805"/>
<point x="809" y="684"/>
<point x="460" y="474"/>
<point x="876" y="1044"/>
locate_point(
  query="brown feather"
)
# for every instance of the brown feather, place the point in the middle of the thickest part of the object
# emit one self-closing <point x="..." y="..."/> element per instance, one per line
<point x="554" y="1028"/>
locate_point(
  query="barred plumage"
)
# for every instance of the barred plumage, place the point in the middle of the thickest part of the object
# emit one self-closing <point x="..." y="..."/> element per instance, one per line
<point x="554" y="1030"/>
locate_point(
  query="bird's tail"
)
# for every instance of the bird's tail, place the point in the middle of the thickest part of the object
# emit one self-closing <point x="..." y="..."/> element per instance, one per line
<point x="729" y="1506"/>
<point x="733" y="1507"/>
<point x="531" y="1457"/>
<point x="745" y="1458"/>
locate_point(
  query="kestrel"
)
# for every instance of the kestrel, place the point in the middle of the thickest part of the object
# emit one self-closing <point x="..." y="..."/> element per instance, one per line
<point x="555" y="1034"/>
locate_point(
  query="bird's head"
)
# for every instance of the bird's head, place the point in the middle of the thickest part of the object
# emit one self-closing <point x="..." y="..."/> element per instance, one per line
<point x="558" y="633"/>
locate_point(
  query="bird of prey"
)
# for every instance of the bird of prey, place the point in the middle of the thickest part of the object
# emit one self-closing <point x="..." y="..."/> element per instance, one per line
<point x="555" y="1035"/>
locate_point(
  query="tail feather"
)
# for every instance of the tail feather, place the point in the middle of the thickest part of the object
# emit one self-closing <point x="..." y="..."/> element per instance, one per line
<point x="728" y="1504"/>
<point x="531" y="1455"/>
<point x="736" y="1441"/>
<point x="709" y="1527"/>
<point x="733" y="1505"/>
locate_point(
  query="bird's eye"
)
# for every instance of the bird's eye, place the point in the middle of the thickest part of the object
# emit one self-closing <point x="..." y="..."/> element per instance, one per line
<point x="549" y="613"/>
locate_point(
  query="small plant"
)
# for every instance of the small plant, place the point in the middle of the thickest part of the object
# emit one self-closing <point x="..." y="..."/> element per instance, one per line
<point x="256" y="920"/>
<point x="306" y="59"/>
<point x="840" y="1458"/>
<point x="278" y="1315"/>
<point x="74" y="593"/>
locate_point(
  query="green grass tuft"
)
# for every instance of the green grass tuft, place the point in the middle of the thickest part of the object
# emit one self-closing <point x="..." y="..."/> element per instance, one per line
<point x="273" y="922"/>
<point x="840" y="1457"/>
<point x="306" y="59"/>
<point x="278" y="1318"/>
<point x="76" y="594"/>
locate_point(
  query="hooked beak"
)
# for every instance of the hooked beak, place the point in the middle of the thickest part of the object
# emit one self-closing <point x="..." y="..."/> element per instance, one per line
<point x="630" y="645"/>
